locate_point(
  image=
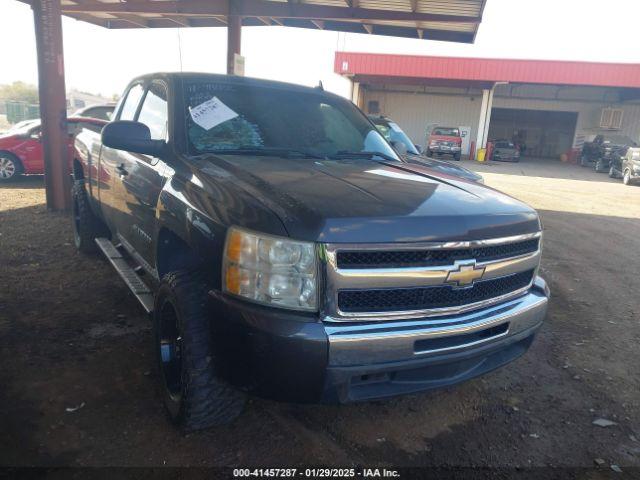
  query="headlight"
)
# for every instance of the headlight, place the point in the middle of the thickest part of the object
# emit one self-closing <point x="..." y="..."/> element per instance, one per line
<point x="433" y="143"/>
<point x="270" y="270"/>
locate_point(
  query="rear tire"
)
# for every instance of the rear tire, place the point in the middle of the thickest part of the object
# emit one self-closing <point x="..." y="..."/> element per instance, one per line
<point x="194" y="396"/>
<point x="10" y="167"/>
<point x="86" y="226"/>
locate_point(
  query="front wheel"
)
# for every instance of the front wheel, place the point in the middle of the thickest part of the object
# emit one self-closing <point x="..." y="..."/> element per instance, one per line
<point x="456" y="157"/>
<point x="194" y="396"/>
<point x="626" y="177"/>
<point x="86" y="226"/>
<point x="10" y="167"/>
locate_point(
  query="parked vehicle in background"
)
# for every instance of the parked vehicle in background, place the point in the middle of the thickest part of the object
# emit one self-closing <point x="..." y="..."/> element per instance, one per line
<point x="613" y="146"/>
<point x="445" y="141"/>
<point x="280" y="246"/>
<point x="102" y="112"/>
<point x="626" y="166"/>
<point x="590" y="151"/>
<point x="505" y="151"/>
<point x="410" y="152"/>
<point x="22" y="125"/>
<point x="603" y="148"/>
<point x="21" y="148"/>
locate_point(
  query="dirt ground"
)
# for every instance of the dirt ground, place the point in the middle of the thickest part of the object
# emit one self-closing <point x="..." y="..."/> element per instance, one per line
<point x="73" y="338"/>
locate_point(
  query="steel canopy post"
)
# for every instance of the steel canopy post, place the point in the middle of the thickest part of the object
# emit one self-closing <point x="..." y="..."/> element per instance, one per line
<point x="53" y="102"/>
<point x="234" y="40"/>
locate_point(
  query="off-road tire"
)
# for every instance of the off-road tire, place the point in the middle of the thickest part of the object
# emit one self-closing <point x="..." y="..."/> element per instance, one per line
<point x="6" y="160"/>
<point x="86" y="226"/>
<point x="200" y="399"/>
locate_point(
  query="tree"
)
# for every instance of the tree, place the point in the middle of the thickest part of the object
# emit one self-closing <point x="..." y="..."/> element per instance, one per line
<point x="19" y="91"/>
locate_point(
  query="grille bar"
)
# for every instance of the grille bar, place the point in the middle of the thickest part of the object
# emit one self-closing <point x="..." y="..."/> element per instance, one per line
<point x="424" y="298"/>
<point x="412" y="258"/>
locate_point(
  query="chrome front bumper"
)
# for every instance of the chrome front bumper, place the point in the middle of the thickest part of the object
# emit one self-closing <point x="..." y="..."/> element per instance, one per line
<point x="403" y="340"/>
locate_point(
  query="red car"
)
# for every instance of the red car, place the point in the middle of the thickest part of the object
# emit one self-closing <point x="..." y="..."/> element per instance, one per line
<point x="21" y="147"/>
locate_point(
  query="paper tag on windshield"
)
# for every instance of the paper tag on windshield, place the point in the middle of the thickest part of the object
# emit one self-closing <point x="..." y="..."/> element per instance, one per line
<point x="395" y="127"/>
<point x="211" y="113"/>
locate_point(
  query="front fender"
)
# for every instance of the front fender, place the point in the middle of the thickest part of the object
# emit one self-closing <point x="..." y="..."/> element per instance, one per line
<point x="199" y="209"/>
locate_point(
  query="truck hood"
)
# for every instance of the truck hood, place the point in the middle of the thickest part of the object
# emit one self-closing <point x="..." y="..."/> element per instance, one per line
<point x="362" y="200"/>
<point x="443" y="167"/>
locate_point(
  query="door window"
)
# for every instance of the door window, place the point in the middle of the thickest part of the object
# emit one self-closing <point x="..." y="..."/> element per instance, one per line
<point x="130" y="105"/>
<point x="154" y="113"/>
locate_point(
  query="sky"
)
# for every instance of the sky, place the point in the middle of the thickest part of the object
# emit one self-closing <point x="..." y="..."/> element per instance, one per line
<point x="103" y="61"/>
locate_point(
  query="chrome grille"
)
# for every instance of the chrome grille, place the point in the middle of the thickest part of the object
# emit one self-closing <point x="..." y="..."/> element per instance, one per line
<point x="371" y="282"/>
<point x="383" y="300"/>
<point x="406" y="258"/>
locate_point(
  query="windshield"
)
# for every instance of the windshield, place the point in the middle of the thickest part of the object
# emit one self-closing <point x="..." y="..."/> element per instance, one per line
<point x="393" y="133"/>
<point x="504" y="145"/>
<point x="22" y="128"/>
<point x="448" y="132"/>
<point x="224" y="117"/>
<point x="100" y="112"/>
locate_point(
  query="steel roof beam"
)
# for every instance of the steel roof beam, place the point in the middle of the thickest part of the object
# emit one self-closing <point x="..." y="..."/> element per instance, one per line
<point x="262" y="8"/>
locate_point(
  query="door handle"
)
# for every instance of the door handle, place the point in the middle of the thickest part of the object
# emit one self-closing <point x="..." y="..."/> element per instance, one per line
<point x="121" y="170"/>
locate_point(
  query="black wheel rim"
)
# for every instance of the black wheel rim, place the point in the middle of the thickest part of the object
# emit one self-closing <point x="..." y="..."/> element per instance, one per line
<point x="170" y="348"/>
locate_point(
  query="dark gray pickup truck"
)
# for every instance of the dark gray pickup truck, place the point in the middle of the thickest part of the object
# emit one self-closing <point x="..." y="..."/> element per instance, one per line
<point x="282" y="248"/>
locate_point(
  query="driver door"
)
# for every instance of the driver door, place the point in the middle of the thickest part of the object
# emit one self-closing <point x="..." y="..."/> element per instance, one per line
<point x="139" y="179"/>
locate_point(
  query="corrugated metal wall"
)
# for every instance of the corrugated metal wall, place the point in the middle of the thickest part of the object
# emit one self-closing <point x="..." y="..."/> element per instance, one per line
<point x="588" y="113"/>
<point x="418" y="112"/>
<point x="417" y="109"/>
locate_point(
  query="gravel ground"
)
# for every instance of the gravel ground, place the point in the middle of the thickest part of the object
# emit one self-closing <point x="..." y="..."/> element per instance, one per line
<point x="72" y="338"/>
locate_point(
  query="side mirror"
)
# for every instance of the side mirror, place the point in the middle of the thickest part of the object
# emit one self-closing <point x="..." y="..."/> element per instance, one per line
<point x="131" y="137"/>
<point x="418" y="148"/>
<point x="400" y="147"/>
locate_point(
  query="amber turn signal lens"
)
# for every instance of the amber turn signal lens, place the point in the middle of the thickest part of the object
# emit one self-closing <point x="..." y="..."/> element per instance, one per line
<point x="234" y="246"/>
<point x="233" y="279"/>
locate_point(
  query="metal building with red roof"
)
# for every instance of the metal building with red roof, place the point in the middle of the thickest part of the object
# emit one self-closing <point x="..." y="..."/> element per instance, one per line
<point x="550" y="106"/>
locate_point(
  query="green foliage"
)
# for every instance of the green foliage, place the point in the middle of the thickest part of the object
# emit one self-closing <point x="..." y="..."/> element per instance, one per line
<point x="19" y="91"/>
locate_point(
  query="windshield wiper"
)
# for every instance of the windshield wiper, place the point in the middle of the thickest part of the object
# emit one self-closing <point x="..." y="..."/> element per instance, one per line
<point x="267" y="151"/>
<point x="365" y="154"/>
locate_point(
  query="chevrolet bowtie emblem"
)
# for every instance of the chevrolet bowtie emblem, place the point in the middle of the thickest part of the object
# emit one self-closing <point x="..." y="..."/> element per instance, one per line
<point x="465" y="275"/>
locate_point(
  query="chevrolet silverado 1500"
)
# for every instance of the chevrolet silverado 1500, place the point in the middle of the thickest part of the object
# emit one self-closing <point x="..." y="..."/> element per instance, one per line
<point x="282" y="248"/>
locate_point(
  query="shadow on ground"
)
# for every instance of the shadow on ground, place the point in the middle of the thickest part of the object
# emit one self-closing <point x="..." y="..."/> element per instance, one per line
<point x="74" y="338"/>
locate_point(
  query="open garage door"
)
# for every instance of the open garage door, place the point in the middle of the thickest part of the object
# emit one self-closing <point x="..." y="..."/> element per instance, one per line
<point x="543" y="133"/>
